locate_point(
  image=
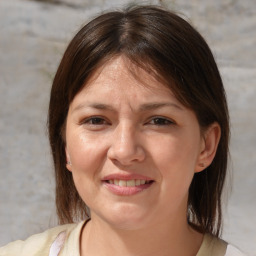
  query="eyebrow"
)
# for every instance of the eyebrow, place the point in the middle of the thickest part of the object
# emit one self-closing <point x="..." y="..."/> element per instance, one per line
<point x="100" y="106"/>
<point x="143" y="107"/>
<point x="152" y="106"/>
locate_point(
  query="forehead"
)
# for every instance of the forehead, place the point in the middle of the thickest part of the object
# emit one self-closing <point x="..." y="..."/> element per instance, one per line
<point x="121" y="77"/>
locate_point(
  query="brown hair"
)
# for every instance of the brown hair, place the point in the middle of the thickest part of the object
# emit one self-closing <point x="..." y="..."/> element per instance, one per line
<point x="164" y="44"/>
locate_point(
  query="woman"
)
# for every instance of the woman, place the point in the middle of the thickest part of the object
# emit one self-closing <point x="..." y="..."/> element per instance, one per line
<point x="139" y="131"/>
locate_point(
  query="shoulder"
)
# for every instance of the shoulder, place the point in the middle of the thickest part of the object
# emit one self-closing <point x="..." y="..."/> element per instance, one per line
<point x="215" y="246"/>
<point x="212" y="245"/>
<point x="38" y="244"/>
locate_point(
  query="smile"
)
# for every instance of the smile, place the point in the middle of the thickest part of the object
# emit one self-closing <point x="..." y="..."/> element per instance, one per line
<point x="127" y="186"/>
<point x="128" y="183"/>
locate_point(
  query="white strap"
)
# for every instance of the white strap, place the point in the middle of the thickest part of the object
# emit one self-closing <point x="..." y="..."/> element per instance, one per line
<point x="57" y="244"/>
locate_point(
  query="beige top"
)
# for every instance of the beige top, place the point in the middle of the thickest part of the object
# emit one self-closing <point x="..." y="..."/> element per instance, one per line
<point x="64" y="241"/>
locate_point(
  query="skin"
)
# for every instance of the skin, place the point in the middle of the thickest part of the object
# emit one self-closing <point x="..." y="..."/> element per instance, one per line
<point x="117" y="125"/>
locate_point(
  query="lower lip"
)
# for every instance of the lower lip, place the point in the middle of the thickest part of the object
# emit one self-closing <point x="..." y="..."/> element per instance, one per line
<point x="127" y="191"/>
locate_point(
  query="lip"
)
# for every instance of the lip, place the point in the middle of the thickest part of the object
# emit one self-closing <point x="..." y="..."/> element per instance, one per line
<point x="126" y="191"/>
<point x="128" y="176"/>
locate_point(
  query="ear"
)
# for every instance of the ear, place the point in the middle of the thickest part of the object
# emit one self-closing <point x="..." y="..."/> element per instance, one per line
<point x="68" y="162"/>
<point x="210" y="142"/>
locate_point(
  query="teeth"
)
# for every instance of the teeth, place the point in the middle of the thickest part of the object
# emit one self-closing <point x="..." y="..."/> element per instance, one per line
<point x="122" y="183"/>
<point x="128" y="183"/>
<point x="137" y="182"/>
<point x="142" y="182"/>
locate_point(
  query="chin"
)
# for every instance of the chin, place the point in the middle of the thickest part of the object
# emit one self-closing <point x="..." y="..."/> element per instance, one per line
<point x="126" y="217"/>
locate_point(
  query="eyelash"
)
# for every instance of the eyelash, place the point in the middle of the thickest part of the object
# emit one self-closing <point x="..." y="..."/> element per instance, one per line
<point x="163" y="121"/>
<point x="98" y="121"/>
<point x="90" y="121"/>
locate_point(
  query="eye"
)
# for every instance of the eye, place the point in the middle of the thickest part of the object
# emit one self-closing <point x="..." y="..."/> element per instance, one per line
<point x="95" y="121"/>
<point x="160" y="121"/>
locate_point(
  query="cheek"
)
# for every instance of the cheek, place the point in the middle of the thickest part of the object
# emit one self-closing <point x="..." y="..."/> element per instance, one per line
<point x="86" y="158"/>
<point x="174" y="152"/>
<point x="175" y="158"/>
<point x="85" y="153"/>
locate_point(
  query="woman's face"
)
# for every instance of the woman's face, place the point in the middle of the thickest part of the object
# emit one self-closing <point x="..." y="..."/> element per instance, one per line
<point x="133" y="148"/>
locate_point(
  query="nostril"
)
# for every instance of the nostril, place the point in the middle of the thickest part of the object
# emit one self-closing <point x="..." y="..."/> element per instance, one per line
<point x="126" y="154"/>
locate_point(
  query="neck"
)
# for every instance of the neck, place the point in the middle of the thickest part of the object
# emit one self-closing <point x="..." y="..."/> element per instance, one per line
<point x="172" y="237"/>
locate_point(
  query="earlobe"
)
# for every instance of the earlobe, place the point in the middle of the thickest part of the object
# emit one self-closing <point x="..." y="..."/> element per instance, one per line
<point x="211" y="138"/>
<point x="68" y="162"/>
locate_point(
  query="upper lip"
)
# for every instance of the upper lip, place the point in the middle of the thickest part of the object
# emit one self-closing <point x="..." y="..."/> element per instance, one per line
<point x="127" y="176"/>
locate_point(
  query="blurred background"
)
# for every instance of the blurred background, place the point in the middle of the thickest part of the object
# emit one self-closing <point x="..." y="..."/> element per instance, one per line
<point x="33" y="37"/>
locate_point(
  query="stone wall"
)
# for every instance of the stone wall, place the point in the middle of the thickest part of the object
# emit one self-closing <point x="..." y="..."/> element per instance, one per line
<point x="33" y="36"/>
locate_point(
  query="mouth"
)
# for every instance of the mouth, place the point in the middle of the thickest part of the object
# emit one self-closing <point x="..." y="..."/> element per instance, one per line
<point x="129" y="183"/>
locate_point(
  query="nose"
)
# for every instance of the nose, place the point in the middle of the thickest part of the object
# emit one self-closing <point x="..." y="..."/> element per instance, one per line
<point x="126" y="148"/>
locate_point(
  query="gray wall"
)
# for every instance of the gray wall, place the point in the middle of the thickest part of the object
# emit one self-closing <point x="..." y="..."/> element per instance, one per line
<point x="33" y="36"/>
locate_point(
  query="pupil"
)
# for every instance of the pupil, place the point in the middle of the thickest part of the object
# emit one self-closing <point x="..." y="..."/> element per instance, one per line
<point x="96" y="121"/>
<point x="160" y="121"/>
